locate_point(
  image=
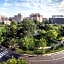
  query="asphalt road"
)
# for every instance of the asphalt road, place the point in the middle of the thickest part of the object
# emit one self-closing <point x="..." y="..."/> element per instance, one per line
<point x="56" y="58"/>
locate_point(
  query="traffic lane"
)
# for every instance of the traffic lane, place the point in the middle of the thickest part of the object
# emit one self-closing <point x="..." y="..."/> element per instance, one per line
<point x="40" y="62"/>
<point x="58" y="55"/>
<point x="60" y="61"/>
<point x="39" y="58"/>
<point x="44" y="60"/>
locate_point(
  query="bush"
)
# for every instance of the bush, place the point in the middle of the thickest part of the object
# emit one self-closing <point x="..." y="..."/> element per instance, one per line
<point x="39" y="51"/>
<point x="19" y="50"/>
<point x="29" y="52"/>
<point x="15" y="61"/>
<point x="11" y="61"/>
<point x="20" y="61"/>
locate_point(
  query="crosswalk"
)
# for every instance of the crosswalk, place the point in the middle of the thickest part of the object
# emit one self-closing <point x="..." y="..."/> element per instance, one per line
<point x="3" y="53"/>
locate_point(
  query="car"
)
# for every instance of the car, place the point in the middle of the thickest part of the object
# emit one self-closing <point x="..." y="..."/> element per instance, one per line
<point x="5" y="57"/>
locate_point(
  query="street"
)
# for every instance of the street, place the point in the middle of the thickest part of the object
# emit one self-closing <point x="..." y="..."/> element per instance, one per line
<point x="56" y="58"/>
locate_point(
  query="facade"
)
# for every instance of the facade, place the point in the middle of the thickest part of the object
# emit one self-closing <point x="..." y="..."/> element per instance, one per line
<point x="17" y="18"/>
<point x="4" y="20"/>
<point x="26" y="18"/>
<point x="56" y="20"/>
<point x="36" y="17"/>
<point x="45" y="20"/>
<point x="57" y="16"/>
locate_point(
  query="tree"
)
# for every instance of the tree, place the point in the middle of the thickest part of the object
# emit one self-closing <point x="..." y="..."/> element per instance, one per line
<point x="13" y="28"/>
<point x="12" y="61"/>
<point x="13" y="42"/>
<point x="43" y="44"/>
<point x="27" y="43"/>
<point x="52" y="34"/>
<point x="40" y="44"/>
<point x="10" y="42"/>
<point x="28" y="27"/>
<point x="14" y="23"/>
<point x="20" y="61"/>
<point x="42" y="32"/>
<point x="37" y="44"/>
<point x="48" y="27"/>
<point x="15" y="61"/>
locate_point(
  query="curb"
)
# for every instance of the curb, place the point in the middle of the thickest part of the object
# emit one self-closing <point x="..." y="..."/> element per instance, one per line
<point x="53" y="53"/>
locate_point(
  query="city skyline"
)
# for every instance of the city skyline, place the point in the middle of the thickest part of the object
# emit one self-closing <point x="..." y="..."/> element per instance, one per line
<point x="45" y="7"/>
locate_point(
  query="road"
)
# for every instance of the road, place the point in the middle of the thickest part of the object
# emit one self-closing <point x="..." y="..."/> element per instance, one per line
<point x="56" y="58"/>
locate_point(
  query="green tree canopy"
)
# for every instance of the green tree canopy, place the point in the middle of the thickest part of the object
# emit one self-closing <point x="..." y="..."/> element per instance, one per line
<point x="52" y="34"/>
<point x="28" y="27"/>
<point x="12" y="61"/>
<point x="27" y="43"/>
<point x="42" y="42"/>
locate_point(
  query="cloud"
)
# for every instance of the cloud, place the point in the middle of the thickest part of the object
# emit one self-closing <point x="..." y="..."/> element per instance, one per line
<point x="60" y="7"/>
<point x="36" y="4"/>
<point x="62" y="4"/>
<point x="45" y="7"/>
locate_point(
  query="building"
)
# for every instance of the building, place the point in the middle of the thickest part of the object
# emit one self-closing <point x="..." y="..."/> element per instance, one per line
<point x="4" y="20"/>
<point x="57" y="16"/>
<point x="45" y="20"/>
<point x="56" y="19"/>
<point x="17" y="18"/>
<point x="26" y="18"/>
<point x="36" y="17"/>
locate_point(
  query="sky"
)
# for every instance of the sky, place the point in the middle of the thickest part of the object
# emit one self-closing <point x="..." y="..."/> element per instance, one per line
<point x="46" y="8"/>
